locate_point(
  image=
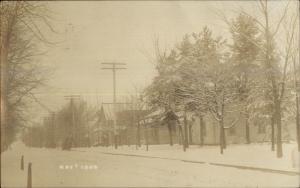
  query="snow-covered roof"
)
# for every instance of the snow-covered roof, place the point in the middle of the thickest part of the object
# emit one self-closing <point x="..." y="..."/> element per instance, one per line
<point x="155" y="114"/>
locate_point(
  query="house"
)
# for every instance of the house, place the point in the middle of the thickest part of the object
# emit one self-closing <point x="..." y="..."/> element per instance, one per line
<point x="126" y="127"/>
<point x="102" y="128"/>
<point x="260" y="129"/>
<point x="151" y="127"/>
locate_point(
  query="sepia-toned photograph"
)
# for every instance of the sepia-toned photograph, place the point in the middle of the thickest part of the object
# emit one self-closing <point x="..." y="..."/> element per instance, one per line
<point x="150" y="93"/>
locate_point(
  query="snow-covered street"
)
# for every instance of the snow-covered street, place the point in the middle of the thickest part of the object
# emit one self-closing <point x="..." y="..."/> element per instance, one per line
<point x="92" y="167"/>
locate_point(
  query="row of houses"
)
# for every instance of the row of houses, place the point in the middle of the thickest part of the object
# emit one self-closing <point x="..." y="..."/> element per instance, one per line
<point x="133" y="126"/>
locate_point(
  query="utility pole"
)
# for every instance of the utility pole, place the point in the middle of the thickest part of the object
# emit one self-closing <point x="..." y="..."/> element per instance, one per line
<point x="114" y="68"/>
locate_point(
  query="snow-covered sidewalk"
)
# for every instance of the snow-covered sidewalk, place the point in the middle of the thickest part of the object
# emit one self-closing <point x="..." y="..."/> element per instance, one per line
<point x="253" y="155"/>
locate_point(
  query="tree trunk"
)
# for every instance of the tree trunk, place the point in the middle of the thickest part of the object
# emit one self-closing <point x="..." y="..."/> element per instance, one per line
<point x="186" y="140"/>
<point x="170" y="133"/>
<point x="138" y="136"/>
<point x="127" y="137"/>
<point x="224" y="137"/>
<point x="146" y="137"/>
<point x="222" y="123"/>
<point x="272" y="132"/>
<point x="297" y="103"/>
<point x="279" y="139"/>
<point x="201" y="131"/>
<point x="297" y="122"/>
<point x="190" y="134"/>
<point x="182" y="138"/>
<point x="247" y="129"/>
<point x="221" y="137"/>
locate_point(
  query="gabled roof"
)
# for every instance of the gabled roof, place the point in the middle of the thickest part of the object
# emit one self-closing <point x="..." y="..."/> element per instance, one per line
<point x="101" y="115"/>
<point x="161" y="115"/>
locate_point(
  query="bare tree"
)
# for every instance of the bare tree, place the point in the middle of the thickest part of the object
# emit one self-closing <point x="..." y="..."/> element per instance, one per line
<point x="274" y="60"/>
<point x="297" y="90"/>
<point x="20" y="74"/>
<point x="271" y="65"/>
<point x="292" y="36"/>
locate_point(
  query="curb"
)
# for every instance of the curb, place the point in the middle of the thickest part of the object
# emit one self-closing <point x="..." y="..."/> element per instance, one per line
<point x="292" y="173"/>
<point x="268" y="170"/>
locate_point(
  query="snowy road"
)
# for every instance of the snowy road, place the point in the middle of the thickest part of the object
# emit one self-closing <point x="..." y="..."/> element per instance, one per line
<point x="49" y="169"/>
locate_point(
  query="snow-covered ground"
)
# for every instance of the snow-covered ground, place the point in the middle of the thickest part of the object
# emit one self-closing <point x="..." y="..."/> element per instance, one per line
<point x="91" y="167"/>
<point x="253" y="155"/>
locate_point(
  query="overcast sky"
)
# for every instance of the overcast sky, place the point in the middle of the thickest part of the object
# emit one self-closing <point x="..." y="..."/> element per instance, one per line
<point x="107" y="31"/>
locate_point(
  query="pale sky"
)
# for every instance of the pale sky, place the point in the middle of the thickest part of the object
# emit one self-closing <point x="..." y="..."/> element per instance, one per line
<point x="108" y="31"/>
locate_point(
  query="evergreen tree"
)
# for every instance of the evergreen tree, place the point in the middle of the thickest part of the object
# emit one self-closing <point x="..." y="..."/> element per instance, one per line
<point x="245" y="36"/>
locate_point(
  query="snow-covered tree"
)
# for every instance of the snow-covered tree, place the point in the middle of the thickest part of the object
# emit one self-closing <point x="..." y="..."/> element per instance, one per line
<point x="245" y="35"/>
<point x="196" y="76"/>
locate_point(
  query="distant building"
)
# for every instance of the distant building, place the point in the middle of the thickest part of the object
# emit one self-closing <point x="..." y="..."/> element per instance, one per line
<point x="260" y="129"/>
<point x="132" y="124"/>
<point x="102" y="128"/>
